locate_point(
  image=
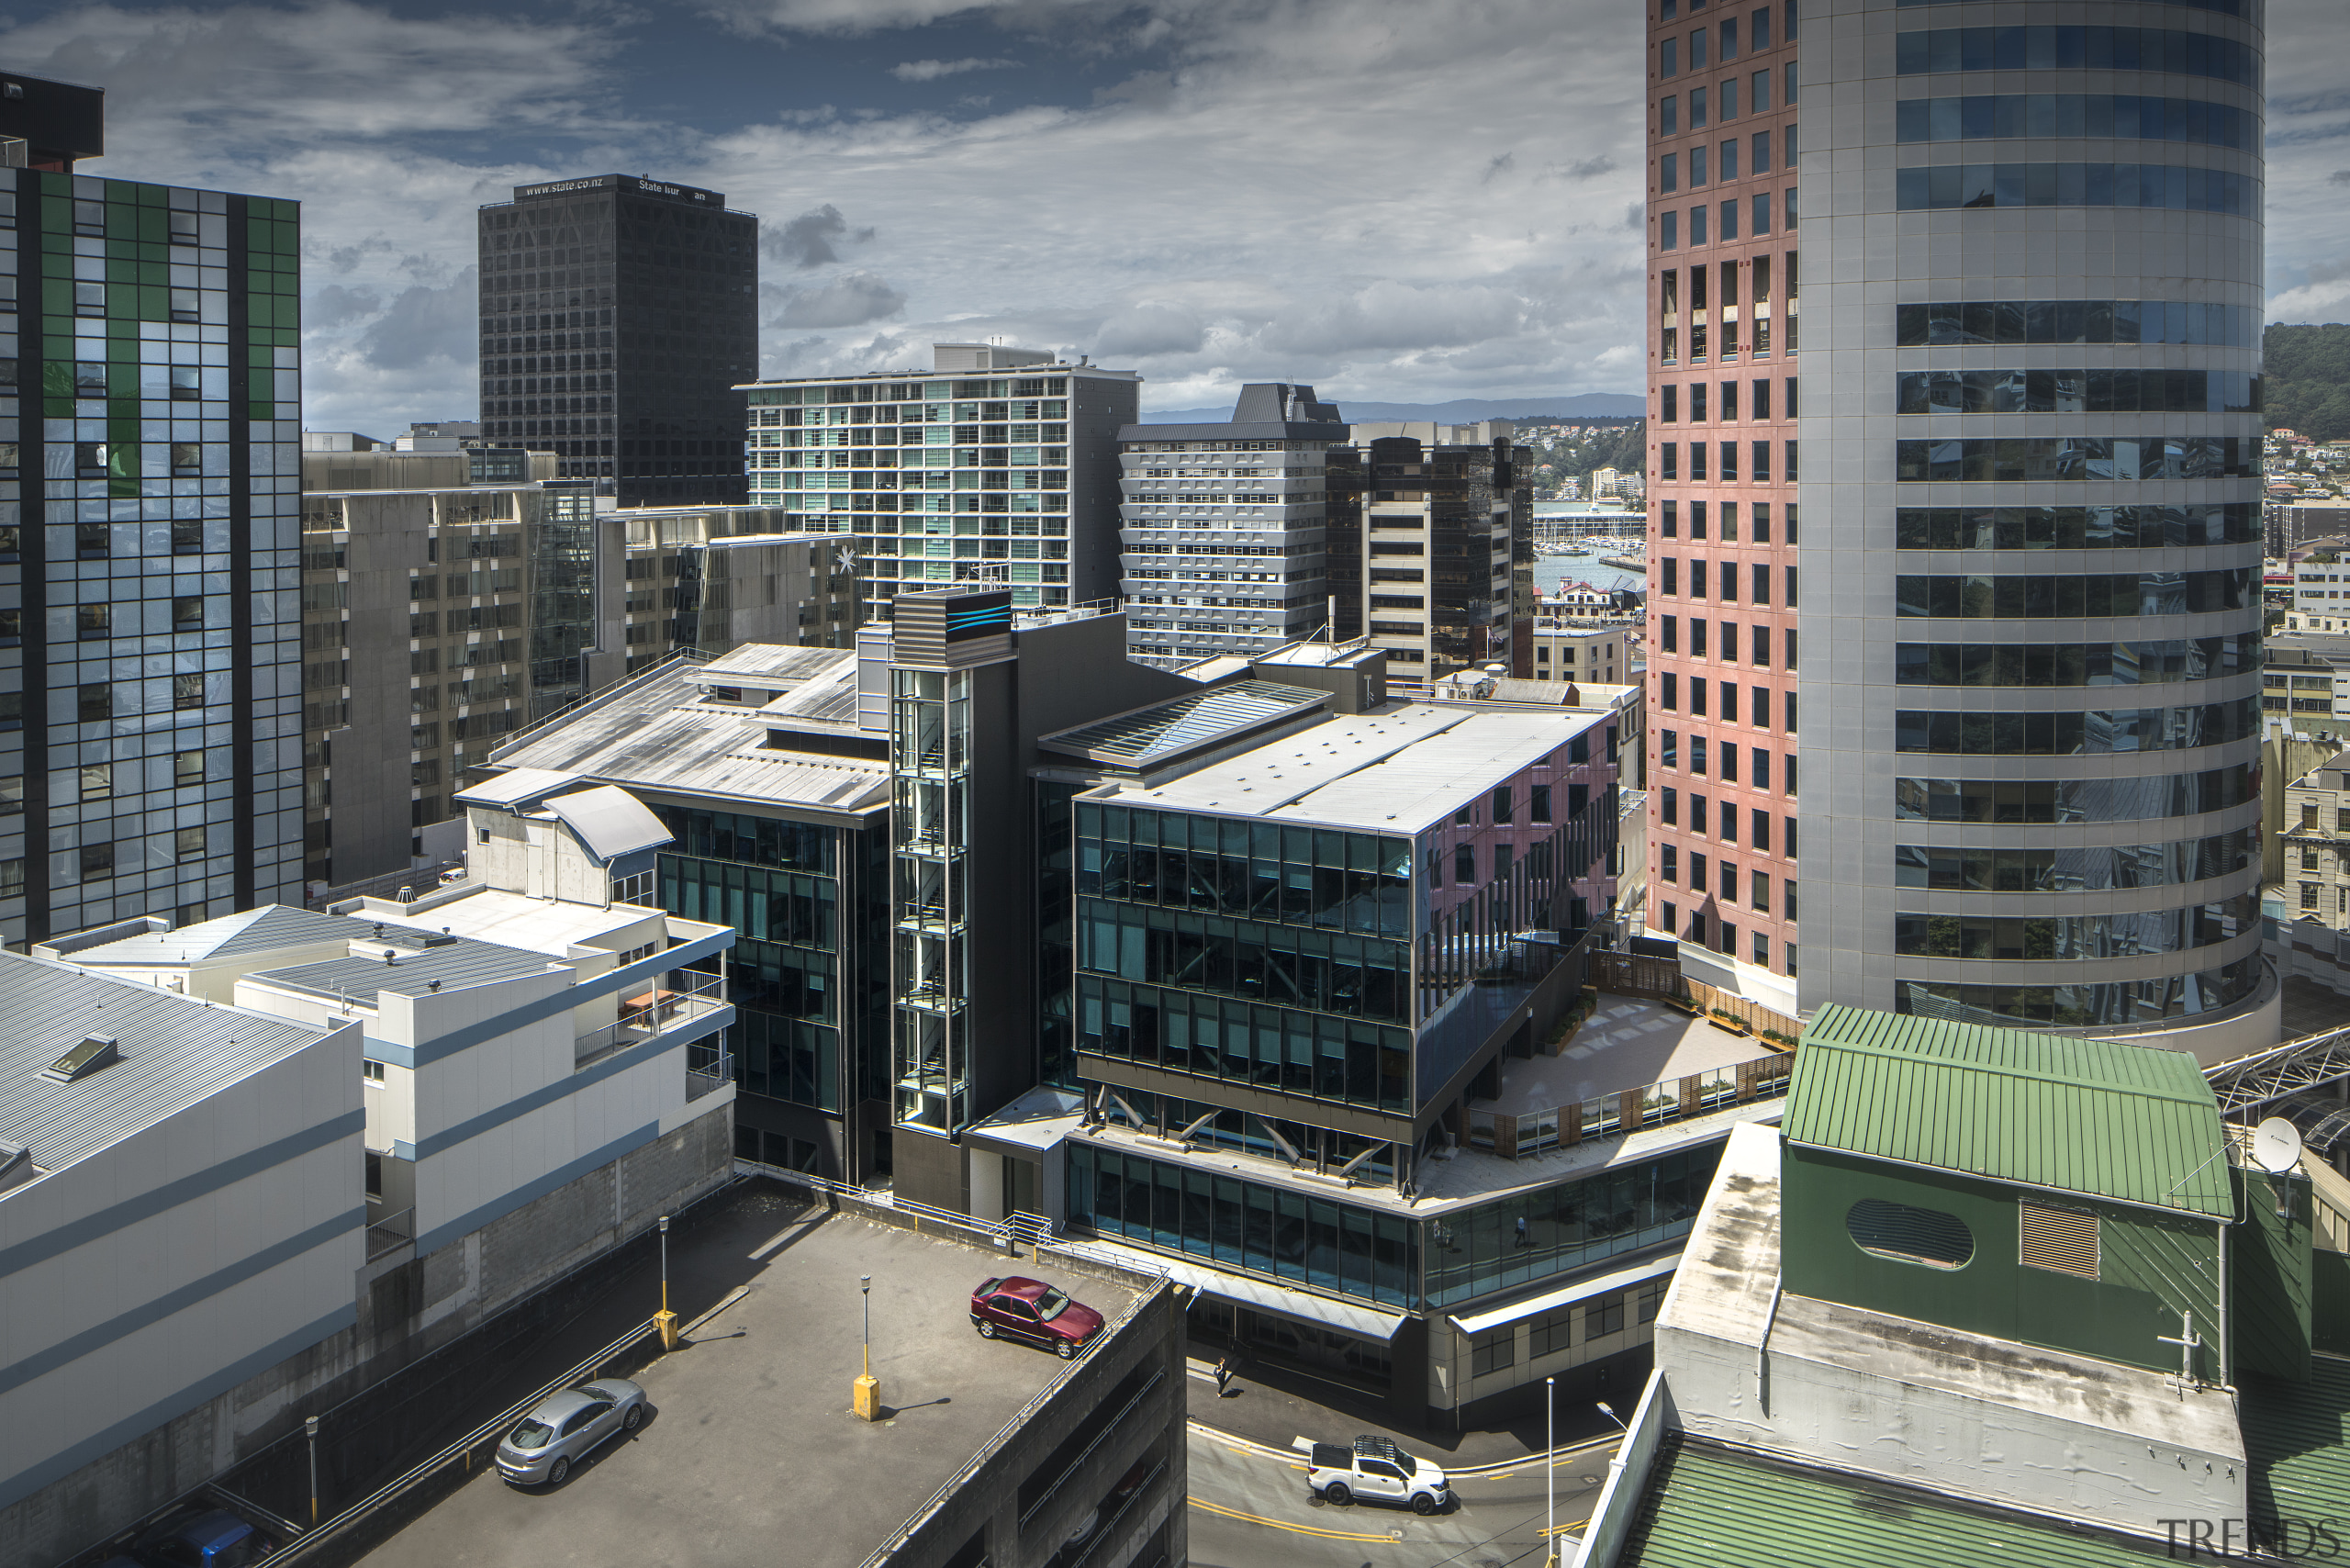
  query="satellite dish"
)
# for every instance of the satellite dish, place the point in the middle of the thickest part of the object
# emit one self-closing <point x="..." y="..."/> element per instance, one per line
<point x="2276" y="1146"/>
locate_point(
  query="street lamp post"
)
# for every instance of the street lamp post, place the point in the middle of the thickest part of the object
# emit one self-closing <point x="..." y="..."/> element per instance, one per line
<point x="665" y="1319"/>
<point x="868" y="1397"/>
<point x="1551" y="1470"/>
<point x="310" y="1427"/>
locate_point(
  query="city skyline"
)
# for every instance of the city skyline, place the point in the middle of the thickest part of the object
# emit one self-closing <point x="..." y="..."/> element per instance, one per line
<point x="916" y="179"/>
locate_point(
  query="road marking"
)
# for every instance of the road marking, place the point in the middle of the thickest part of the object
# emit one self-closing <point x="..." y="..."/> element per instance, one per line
<point x="1390" y="1537"/>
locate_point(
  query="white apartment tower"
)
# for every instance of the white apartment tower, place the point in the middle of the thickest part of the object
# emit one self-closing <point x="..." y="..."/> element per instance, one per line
<point x="1226" y="529"/>
<point x="998" y="464"/>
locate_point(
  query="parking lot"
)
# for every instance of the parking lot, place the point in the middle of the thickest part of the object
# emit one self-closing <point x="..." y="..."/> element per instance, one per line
<point x="749" y="1451"/>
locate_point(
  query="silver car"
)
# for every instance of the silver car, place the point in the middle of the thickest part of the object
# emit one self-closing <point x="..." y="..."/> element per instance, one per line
<point x="543" y="1445"/>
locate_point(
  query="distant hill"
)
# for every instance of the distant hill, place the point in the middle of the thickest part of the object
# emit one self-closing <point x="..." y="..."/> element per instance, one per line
<point x="2308" y="384"/>
<point x="1459" y="411"/>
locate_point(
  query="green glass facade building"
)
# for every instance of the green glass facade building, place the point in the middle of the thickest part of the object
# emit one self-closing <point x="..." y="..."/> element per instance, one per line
<point x="149" y="568"/>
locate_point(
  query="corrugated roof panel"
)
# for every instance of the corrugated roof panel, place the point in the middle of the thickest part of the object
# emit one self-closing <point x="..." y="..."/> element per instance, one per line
<point x="1708" y="1508"/>
<point x="174" y="1050"/>
<point x="2298" y="1437"/>
<point x="2104" y="1118"/>
<point x="656" y="733"/>
<point x="262" y="930"/>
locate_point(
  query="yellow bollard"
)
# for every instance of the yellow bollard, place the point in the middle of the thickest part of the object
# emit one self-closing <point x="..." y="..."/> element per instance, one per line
<point x="667" y="1322"/>
<point x="867" y="1401"/>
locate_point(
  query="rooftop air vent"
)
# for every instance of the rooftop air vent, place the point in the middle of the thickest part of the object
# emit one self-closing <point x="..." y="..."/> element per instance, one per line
<point x="95" y="1054"/>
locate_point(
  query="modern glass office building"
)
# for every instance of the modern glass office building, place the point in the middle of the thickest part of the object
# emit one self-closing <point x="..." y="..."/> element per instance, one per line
<point x="151" y="724"/>
<point x="617" y="316"/>
<point x="2036" y="481"/>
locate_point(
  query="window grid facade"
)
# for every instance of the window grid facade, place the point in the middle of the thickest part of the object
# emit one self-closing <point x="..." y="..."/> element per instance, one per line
<point x="617" y="314"/>
<point x="1724" y="280"/>
<point x="149" y="568"/>
<point x="2068" y="351"/>
<point x="952" y="478"/>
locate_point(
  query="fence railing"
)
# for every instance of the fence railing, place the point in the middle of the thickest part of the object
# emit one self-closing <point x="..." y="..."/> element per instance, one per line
<point x="662" y="1011"/>
<point x="403" y="886"/>
<point x="390" y="1233"/>
<point x="710" y="1067"/>
<point x="483" y="1436"/>
<point x="1525" y="1135"/>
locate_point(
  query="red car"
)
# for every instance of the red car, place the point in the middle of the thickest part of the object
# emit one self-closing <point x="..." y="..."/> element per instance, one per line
<point x="1032" y="1310"/>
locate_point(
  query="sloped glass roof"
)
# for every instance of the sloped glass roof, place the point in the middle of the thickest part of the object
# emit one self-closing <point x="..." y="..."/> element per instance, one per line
<point x="1162" y="733"/>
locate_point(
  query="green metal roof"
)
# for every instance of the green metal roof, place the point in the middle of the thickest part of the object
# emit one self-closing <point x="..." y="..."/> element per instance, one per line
<point x="2298" y="1437"/>
<point x="1708" y="1508"/>
<point x="2134" y="1124"/>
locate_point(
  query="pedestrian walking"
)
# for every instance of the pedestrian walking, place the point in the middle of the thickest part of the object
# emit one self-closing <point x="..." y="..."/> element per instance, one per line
<point x="1223" y="1377"/>
<point x="1523" y="1240"/>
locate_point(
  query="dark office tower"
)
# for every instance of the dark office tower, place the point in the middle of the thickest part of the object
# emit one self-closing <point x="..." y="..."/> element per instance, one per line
<point x="617" y="317"/>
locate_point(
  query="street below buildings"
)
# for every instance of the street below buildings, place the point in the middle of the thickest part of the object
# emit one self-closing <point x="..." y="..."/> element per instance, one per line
<point x="1250" y="1509"/>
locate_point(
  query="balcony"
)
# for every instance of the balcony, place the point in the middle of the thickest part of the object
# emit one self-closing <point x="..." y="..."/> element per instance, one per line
<point x="710" y="1067"/>
<point x="390" y="1232"/>
<point x="652" y="1014"/>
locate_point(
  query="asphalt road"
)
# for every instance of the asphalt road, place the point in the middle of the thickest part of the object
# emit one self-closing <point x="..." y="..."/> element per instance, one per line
<point x="1250" y="1510"/>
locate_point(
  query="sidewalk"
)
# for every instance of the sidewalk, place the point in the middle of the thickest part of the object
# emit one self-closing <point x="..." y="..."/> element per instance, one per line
<point x="1275" y="1406"/>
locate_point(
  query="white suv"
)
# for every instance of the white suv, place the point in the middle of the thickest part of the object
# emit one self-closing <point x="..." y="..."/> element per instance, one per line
<point x="1374" y="1470"/>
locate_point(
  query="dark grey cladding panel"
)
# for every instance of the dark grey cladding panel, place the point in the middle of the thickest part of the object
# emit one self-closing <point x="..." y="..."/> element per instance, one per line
<point x="957" y="629"/>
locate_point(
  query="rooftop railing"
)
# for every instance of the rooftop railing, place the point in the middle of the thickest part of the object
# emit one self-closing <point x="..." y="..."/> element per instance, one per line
<point x="662" y="1011"/>
<point x="390" y="1232"/>
<point x="1527" y="1134"/>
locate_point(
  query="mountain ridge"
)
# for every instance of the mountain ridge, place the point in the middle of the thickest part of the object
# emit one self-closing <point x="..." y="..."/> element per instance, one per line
<point x="1459" y="412"/>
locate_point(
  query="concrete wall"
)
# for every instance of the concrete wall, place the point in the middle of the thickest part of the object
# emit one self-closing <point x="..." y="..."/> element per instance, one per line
<point x="400" y="1314"/>
<point x="141" y="1284"/>
<point x="1857" y="1417"/>
<point x="986" y="1502"/>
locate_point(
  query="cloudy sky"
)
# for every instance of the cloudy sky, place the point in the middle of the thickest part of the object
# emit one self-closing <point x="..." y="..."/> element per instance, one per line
<point x="1406" y="200"/>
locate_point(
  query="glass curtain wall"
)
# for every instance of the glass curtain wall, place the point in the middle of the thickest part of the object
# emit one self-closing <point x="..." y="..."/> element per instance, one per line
<point x="930" y="785"/>
<point x="778" y="884"/>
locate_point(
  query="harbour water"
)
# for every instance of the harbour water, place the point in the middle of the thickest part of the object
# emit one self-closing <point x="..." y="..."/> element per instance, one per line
<point x="1582" y="565"/>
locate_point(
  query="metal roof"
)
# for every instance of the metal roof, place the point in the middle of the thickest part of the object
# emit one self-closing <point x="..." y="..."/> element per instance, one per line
<point x="2134" y="1124"/>
<point x="174" y="1051"/>
<point x="1402" y="768"/>
<point x="656" y="733"/>
<point x="518" y="786"/>
<point x="1198" y="721"/>
<point x="412" y="972"/>
<point x="609" y="821"/>
<point x="268" y="929"/>
<point x="2297" y="1436"/>
<point x="1708" y="1507"/>
<point x="775" y="661"/>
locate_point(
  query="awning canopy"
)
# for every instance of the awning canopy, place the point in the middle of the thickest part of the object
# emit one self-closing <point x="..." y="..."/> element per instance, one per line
<point x="1363" y="1322"/>
<point x="1567" y="1295"/>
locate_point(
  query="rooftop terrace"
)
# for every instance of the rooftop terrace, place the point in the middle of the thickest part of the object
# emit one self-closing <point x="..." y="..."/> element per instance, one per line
<point x="751" y="1453"/>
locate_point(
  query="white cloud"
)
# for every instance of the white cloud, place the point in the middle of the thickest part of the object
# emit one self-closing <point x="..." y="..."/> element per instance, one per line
<point x="1396" y="199"/>
<point x="932" y="70"/>
<point x="850" y="300"/>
